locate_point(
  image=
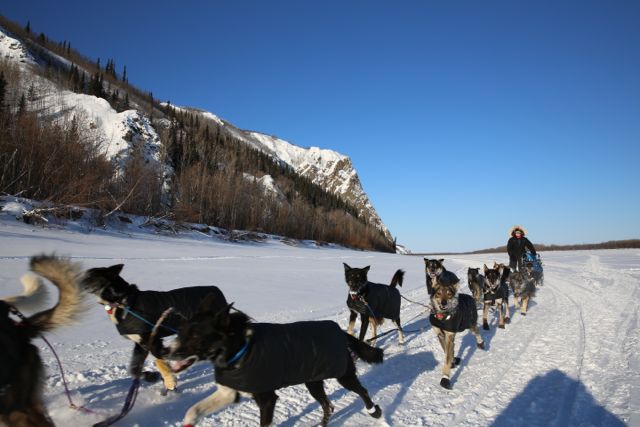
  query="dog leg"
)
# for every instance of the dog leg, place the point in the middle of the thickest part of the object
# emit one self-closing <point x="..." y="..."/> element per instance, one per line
<point x="352" y="322"/>
<point x="449" y="338"/>
<point x="364" y="324"/>
<point x="222" y="397"/>
<point x="525" y="304"/>
<point x="137" y="361"/>
<point x="400" y="333"/>
<point x="267" y="402"/>
<point x="485" y="315"/>
<point x="440" y="334"/>
<point x="316" y="389"/>
<point x="374" y="331"/>
<point x="350" y="381"/>
<point x="168" y="378"/>
<point x="500" y="313"/>
<point x="476" y="333"/>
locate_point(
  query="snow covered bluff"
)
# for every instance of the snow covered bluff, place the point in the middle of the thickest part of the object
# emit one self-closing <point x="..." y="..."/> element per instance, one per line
<point x="331" y="171"/>
<point x="328" y="169"/>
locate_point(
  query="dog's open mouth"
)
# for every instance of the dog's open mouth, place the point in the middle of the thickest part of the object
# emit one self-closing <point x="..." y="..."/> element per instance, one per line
<point x="181" y="365"/>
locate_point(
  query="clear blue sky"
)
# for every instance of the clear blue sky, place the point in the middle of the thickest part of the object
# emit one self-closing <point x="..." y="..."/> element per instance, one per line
<point x="462" y="118"/>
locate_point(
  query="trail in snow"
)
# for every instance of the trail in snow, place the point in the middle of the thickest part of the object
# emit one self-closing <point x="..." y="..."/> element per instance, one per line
<point x="573" y="360"/>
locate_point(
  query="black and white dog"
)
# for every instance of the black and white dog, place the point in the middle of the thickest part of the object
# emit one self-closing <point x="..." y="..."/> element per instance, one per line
<point x="434" y="270"/>
<point x="259" y="358"/>
<point x="21" y="369"/>
<point x="372" y="301"/>
<point x="135" y="312"/>
<point x="475" y="280"/>
<point x="496" y="292"/>
<point x="452" y="313"/>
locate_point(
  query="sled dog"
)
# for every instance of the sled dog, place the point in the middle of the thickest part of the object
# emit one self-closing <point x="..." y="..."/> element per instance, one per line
<point x="21" y="369"/>
<point x="475" y="281"/>
<point x="496" y="292"/>
<point x="135" y="312"/>
<point x="373" y="301"/>
<point x="452" y="313"/>
<point x="523" y="287"/>
<point x="256" y="359"/>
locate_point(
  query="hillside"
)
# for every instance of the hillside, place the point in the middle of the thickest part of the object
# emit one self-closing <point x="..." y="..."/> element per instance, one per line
<point x="146" y="157"/>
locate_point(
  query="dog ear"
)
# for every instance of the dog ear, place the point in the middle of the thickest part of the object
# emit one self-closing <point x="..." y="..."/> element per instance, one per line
<point x="222" y="319"/>
<point x="485" y="268"/>
<point x="366" y="269"/>
<point x="346" y="266"/>
<point x="441" y="260"/>
<point x="208" y="303"/>
<point x="114" y="270"/>
<point x="426" y="260"/>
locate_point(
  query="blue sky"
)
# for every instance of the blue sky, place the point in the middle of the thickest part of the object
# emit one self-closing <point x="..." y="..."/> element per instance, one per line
<point x="462" y="118"/>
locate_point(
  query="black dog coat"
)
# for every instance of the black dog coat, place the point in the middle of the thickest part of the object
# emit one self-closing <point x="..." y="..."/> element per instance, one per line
<point x="151" y="304"/>
<point x="501" y="292"/>
<point x="465" y="316"/>
<point x="383" y="300"/>
<point x="280" y="355"/>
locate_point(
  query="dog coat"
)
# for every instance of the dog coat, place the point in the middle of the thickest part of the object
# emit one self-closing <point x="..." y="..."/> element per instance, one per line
<point x="151" y="304"/>
<point x="383" y="300"/>
<point x="501" y="292"/>
<point x="464" y="317"/>
<point x="281" y="355"/>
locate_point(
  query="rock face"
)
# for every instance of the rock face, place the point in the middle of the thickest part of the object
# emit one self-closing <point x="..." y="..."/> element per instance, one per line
<point x="332" y="171"/>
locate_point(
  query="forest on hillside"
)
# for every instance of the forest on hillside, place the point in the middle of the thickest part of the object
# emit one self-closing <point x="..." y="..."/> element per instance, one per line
<point x="215" y="175"/>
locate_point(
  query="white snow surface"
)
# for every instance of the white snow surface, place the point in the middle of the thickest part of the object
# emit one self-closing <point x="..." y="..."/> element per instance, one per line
<point x="14" y="50"/>
<point x="572" y="361"/>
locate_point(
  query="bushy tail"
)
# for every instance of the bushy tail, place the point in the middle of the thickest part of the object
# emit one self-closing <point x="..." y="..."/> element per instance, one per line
<point x="364" y="351"/>
<point x="397" y="279"/>
<point x="34" y="295"/>
<point x="64" y="275"/>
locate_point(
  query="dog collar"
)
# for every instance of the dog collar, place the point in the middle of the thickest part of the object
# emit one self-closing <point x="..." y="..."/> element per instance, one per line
<point x="239" y="354"/>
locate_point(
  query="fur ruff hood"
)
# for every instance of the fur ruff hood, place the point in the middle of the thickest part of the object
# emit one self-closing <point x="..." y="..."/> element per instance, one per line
<point x="517" y="227"/>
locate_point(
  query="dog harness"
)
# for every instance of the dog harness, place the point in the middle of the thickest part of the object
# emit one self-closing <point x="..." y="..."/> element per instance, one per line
<point x="461" y="317"/>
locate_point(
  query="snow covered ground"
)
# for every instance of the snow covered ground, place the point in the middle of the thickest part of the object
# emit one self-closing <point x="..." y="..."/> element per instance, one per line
<point x="574" y="360"/>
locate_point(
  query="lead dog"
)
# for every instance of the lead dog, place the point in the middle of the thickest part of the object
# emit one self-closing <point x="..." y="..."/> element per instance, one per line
<point x="21" y="369"/>
<point x="523" y="287"/>
<point x="259" y="358"/>
<point x="373" y="301"/>
<point x="135" y="312"/>
<point x="450" y="314"/>
<point x="496" y="292"/>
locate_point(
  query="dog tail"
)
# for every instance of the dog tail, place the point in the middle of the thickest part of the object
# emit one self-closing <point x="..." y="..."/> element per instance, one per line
<point x="64" y="275"/>
<point x="397" y="279"/>
<point x="364" y="351"/>
<point x="34" y="295"/>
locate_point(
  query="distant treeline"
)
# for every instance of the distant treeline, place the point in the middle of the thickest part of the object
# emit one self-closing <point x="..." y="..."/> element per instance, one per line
<point x="541" y="247"/>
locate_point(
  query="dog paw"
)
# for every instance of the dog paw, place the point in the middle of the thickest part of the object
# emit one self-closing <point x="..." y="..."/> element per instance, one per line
<point x="485" y="326"/>
<point x="481" y="345"/>
<point x="166" y="391"/>
<point x="375" y="411"/>
<point x="524" y="314"/>
<point x="507" y="320"/>
<point x="446" y="383"/>
<point x="501" y="326"/>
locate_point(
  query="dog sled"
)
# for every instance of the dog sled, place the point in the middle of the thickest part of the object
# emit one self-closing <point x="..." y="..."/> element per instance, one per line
<point x="533" y="264"/>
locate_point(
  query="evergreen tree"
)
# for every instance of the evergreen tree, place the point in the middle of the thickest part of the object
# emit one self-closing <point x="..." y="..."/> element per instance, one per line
<point x="28" y="27"/>
<point x="124" y="74"/>
<point x="3" y="90"/>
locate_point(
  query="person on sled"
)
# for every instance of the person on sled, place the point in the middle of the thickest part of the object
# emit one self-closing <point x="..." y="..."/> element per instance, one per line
<point x="516" y="247"/>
